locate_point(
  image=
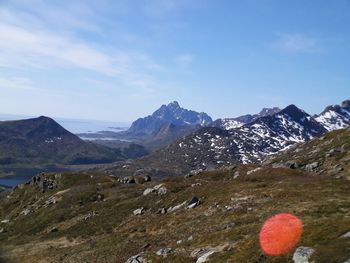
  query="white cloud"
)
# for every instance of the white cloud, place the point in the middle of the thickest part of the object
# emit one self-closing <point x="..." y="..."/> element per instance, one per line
<point x="26" y="42"/>
<point x="298" y="43"/>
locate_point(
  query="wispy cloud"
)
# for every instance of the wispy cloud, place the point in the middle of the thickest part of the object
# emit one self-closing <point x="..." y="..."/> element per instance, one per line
<point x="184" y="60"/>
<point x="297" y="43"/>
<point x="28" y="42"/>
<point x="16" y="83"/>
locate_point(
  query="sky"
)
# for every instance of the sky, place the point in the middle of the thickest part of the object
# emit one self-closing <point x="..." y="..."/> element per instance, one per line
<point x="118" y="60"/>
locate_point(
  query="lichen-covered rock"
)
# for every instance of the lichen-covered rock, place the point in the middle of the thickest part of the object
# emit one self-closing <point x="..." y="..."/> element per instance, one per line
<point x="303" y="254"/>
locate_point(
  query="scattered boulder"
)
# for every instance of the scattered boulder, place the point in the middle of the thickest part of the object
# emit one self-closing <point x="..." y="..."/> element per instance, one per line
<point x="205" y="257"/>
<point x="148" y="191"/>
<point x="2" y="230"/>
<point x="162" y="211"/>
<point x="139" y="211"/>
<point x="312" y="167"/>
<point x="346" y="235"/>
<point x="51" y="201"/>
<point x="177" y="207"/>
<point x="236" y="175"/>
<point x="303" y="254"/>
<point x="5" y="221"/>
<point x="127" y="180"/>
<point x="90" y="215"/>
<point x="164" y="252"/>
<point x="162" y="190"/>
<point x="289" y="164"/>
<point x="193" y="203"/>
<point x="136" y="259"/>
<point x="253" y="171"/>
<point x="25" y="212"/>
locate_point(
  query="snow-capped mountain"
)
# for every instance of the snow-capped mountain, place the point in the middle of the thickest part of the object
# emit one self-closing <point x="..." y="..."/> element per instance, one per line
<point x="169" y="114"/>
<point x="336" y="116"/>
<point x="252" y="142"/>
<point x="233" y="123"/>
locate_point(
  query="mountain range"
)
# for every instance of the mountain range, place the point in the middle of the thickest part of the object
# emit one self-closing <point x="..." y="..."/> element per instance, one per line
<point x="253" y="140"/>
<point x="182" y="140"/>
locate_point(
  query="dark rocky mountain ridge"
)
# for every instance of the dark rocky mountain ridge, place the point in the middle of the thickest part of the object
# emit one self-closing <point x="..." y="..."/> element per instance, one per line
<point x="43" y="141"/>
<point x="168" y="114"/>
<point x="232" y="123"/>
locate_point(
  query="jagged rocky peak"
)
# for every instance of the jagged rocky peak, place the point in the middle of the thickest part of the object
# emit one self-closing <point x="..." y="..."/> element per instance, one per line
<point x="335" y="116"/>
<point x="172" y="113"/>
<point x="269" y="111"/>
<point x="233" y="123"/>
<point x="294" y="112"/>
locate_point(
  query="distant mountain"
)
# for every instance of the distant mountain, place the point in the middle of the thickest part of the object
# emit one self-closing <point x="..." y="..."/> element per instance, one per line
<point x="43" y="141"/>
<point x="232" y="123"/>
<point x="212" y="147"/>
<point x="336" y="116"/>
<point x="168" y="114"/>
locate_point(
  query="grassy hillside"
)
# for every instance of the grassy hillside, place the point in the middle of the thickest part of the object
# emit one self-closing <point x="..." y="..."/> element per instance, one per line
<point x="90" y="217"/>
<point x="92" y="220"/>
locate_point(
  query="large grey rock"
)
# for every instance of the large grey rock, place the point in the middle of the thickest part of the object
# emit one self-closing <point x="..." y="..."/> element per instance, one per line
<point x="136" y="259"/>
<point x="303" y="254"/>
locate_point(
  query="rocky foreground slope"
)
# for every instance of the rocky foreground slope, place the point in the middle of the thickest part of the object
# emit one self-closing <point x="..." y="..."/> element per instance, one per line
<point x="208" y="217"/>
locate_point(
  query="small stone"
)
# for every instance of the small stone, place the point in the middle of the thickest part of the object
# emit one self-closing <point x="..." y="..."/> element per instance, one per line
<point x="164" y="252"/>
<point x="311" y="167"/>
<point x="2" y="230"/>
<point x="193" y="203"/>
<point x="148" y="191"/>
<point x="205" y="257"/>
<point x="162" y="190"/>
<point x="346" y="235"/>
<point x="190" y="238"/>
<point x="303" y="254"/>
<point x="138" y="211"/>
<point x="5" y="221"/>
<point x="179" y="242"/>
<point x="136" y="259"/>
<point x="25" y="212"/>
<point x="162" y="211"/>
<point x="236" y="175"/>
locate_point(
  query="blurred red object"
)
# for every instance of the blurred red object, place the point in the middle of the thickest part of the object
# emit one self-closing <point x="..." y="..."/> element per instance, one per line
<point x="280" y="234"/>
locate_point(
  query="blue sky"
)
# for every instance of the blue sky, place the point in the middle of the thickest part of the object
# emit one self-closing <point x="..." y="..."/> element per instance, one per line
<point x="121" y="59"/>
